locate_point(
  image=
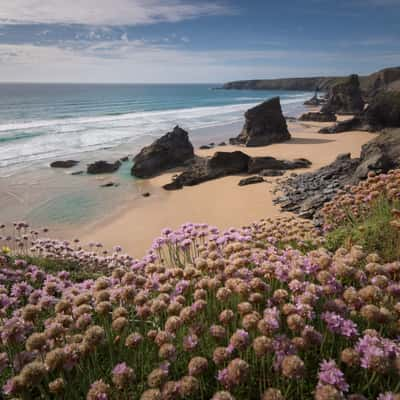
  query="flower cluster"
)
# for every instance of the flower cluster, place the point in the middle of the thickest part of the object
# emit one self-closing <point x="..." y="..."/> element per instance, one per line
<point x="237" y="314"/>
<point x="356" y="201"/>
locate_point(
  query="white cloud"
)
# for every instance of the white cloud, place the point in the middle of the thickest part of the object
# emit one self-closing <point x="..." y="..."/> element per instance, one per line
<point x="106" y="12"/>
<point x="139" y="61"/>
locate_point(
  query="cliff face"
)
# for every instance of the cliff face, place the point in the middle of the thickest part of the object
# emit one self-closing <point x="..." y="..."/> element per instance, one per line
<point x="386" y="79"/>
<point x="323" y="83"/>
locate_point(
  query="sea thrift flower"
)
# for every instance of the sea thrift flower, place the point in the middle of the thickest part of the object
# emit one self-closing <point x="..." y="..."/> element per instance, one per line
<point x="122" y="375"/>
<point x="293" y="367"/>
<point x="339" y="325"/>
<point x="330" y="374"/>
<point x="98" y="391"/>
<point x="197" y="366"/>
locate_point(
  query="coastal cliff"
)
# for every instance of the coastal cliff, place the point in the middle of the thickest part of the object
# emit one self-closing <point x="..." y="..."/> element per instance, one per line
<point x="385" y="79"/>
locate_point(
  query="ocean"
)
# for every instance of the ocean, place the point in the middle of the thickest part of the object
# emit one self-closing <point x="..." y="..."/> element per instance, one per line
<point x="43" y="122"/>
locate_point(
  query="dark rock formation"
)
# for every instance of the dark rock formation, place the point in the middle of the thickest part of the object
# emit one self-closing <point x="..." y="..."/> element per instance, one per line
<point x="383" y="111"/>
<point x="169" y="151"/>
<point x="385" y="79"/>
<point x="205" y="169"/>
<point x="345" y="97"/>
<point x="257" y="164"/>
<point x="323" y="83"/>
<point x="124" y="159"/>
<point x="229" y="163"/>
<point x="305" y="194"/>
<point x="344" y="126"/>
<point x="379" y="155"/>
<point x="318" y="117"/>
<point x="314" y="101"/>
<point x="222" y="144"/>
<point x="64" y="164"/>
<point x="78" y="173"/>
<point x="146" y="194"/>
<point x="225" y="163"/>
<point x="251" y="180"/>
<point x="205" y="147"/>
<point x="103" y="167"/>
<point x="264" y="125"/>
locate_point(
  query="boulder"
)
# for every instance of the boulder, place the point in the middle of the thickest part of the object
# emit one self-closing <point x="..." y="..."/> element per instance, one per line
<point x="345" y="97"/>
<point x="318" y="117"/>
<point x="103" y="167"/>
<point x="205" y="147"/>
<point x="379" y="155"/>
<point x="170" y="151"/>
<point x="257" y="164"/>
<point x="64" y="164"/>
<point x="204" y="169"/>
<point x="351" y="124"/>
<point x="229" y="163"/>
<point x="251" y="180"/>
<point x="264" y="125"/>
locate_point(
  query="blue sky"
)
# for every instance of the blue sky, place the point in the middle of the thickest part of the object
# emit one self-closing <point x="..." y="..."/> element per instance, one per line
<point x="194" y="40"/>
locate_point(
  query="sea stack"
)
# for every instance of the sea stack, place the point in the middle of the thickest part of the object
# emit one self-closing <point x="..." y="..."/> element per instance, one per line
<point x="265" y="124"/>
<point x="345" y="97"/>
<point x="170" y="151"/>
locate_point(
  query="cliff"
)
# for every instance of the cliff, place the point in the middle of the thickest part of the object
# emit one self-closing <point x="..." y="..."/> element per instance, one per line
<point x="385" y="79"/>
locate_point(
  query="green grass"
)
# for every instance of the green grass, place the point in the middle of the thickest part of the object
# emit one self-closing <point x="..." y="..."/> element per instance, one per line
<point x="77" y="272"/>
<point x="372" y="231"/>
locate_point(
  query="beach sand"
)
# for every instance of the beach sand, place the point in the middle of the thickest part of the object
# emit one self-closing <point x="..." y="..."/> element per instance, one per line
<point x="219" y="202"/>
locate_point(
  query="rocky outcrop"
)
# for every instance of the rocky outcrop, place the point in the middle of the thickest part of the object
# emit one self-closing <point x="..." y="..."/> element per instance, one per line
<point x="64" y="164"/>
<point x="103" y="167"/>
<point x="205" y="169"/>
<point x="345" y="97"/>
<point x="344" y="126"/>
<point x="322" y="83"/>
<point x="265" y="124"/>
<point x="385" y="79"/>
<point x="225" y="163"/>
<point x="383" y="112"/>
<point x="251" y="180"/>
<point x="169" y="151"/>
<point x="314" y="101"/>
<point x="318" y="117"/>
<point x="305" y="194"/>
<point x="379" y="155"/>
<point x="257" y="164"/>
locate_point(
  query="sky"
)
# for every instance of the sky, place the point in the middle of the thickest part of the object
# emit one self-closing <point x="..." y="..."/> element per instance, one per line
<point x="180" y="41"/>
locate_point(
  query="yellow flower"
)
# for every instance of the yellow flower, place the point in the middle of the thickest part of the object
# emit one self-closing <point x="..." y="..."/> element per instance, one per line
<point x="6" y="250"/>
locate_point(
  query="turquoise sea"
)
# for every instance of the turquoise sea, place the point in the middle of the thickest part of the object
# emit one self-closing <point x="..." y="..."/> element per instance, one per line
<point x="42" y="122"/>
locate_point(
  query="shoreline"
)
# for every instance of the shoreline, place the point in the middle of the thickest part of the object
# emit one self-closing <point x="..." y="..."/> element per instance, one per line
<point x="219" y="202"/>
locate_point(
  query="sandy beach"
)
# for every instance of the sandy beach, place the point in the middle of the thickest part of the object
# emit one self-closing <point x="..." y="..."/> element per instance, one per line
<point x="220" y="202"/>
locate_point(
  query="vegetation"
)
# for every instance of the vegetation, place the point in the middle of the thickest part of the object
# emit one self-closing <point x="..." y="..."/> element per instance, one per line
<point x="241" y="314"/>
